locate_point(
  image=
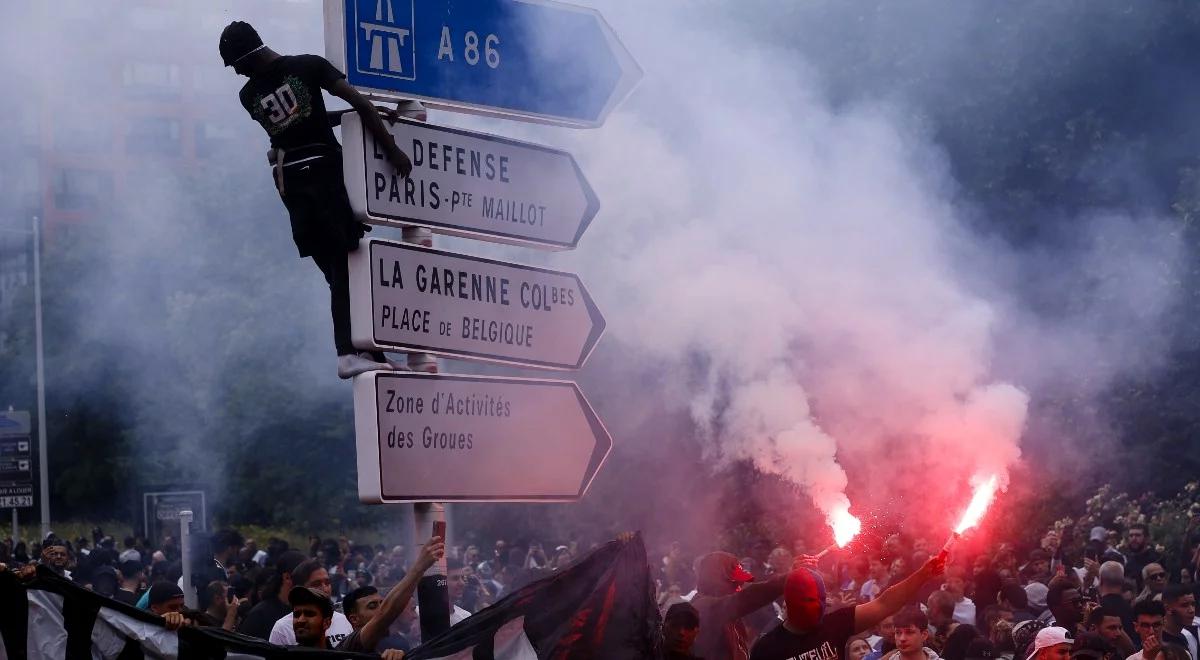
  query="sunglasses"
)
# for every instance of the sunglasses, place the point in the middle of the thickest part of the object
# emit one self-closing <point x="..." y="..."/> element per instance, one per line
<point x="1158" y="576"/>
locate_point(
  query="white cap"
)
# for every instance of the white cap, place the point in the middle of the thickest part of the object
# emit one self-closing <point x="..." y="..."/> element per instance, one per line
<point x="1047" y="637"/>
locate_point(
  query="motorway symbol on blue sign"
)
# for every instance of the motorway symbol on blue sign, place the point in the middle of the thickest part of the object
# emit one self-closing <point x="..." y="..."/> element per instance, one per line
<point x="534" y="60"/>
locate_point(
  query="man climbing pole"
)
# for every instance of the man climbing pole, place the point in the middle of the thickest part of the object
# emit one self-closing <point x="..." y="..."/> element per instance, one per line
<point x="284" y="96"/>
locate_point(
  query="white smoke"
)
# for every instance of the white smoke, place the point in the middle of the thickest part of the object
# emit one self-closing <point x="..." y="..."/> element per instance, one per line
<point x="804" y="278"/>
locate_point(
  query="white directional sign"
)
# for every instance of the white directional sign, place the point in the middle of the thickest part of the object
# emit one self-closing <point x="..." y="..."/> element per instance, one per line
<point x="469" y="184"/>
<point x="443" y="438"/>
<point x="404" y="297"/>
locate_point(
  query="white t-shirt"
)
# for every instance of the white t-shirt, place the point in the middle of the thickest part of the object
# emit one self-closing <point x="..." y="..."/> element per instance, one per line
<point x="870" y="590"/>
<point x="283" y="634"/>
<point x="964" y="611"/>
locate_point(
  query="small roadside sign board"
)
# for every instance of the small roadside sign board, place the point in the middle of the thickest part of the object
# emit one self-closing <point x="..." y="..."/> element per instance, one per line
<point x="469" y="184"/>
<point x="404" y="297"/>
<point x="453" y="438"/>
<point x="533" y="60"/>
<point x="160" y="512"/>
<point x="16" y="460"/>
<point x="18" y="496"/>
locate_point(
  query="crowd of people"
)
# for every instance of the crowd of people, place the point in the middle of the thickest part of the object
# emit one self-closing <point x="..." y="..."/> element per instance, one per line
<point x="260" y="591"/>
<point x="901" y="600"/>
<point x="1113" y="600"/>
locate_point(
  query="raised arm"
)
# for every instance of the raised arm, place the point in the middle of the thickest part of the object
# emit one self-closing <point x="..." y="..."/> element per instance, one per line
<point x="867" y="615"/>
<point x="398" y="597"/>
<point x="756" y="595"/>
<point x="372" y="122"/>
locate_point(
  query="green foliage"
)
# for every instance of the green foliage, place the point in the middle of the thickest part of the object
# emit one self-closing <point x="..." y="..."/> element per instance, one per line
<point x="1172" y="520"/>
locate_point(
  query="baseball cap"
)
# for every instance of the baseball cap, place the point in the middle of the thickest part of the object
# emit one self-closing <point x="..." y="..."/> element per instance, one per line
<point x="1098" y="533"/>
<point x="161" y="592"/>
<point x="1024" y="632"/>
<point x="238" y="40"/>
<point x="1047" y="637"/>
<point x="310" y="596"/>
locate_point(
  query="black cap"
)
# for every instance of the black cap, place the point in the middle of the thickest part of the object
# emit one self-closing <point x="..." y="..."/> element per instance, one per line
<point x="238" y="40"/>
<point x="310" y="596"/>
<point x="161" y="592"/>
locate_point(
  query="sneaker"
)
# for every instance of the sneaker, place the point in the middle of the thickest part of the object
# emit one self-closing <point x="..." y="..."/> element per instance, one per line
<point x="353" y="364"/>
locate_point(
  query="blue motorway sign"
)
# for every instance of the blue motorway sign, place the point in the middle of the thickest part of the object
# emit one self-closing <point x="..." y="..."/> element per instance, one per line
<point x="533" y="60"/>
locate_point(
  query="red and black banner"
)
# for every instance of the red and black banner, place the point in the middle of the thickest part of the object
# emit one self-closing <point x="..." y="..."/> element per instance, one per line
<point x="601" y="607"/>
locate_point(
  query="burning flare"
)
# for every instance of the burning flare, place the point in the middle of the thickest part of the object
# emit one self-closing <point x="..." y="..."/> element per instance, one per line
<point x="985" y="491"/>
<point x="845" y="526"/>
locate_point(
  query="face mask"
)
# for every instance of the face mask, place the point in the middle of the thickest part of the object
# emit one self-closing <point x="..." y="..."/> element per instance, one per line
<point x="804" y="593"/>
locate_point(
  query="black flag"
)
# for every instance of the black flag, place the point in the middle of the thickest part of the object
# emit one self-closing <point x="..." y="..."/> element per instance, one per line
<point x="601" y="607"/>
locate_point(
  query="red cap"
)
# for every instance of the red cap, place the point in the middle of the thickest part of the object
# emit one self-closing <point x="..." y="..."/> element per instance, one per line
<point x="740" y="574"/>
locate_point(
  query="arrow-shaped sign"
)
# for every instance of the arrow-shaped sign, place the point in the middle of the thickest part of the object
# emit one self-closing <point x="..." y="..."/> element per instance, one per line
<point x="448" y="438"/>
<point x="404" y="297"/>
<point x="469" y="184"/>
<point x="533" y="60"/>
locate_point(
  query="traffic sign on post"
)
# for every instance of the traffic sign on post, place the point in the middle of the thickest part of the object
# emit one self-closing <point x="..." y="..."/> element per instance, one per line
<point x="16" y="460"/>
<point x="533" y="60"/>
<point x="469" y="184"/>
<point x="443" y="438"/>
<point x="404" y="297"/>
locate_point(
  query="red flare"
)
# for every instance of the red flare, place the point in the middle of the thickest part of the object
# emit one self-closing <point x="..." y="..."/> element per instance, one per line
<point x="984" y="493"/>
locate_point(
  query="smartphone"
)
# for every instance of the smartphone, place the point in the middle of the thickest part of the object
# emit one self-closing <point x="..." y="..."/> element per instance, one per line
<point x="439" y="528"/>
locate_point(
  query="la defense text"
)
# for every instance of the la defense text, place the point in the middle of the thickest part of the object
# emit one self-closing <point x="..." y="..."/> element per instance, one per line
<point x="424" y="192"/>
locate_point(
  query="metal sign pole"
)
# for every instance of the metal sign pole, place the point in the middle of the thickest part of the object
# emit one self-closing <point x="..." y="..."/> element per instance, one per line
<point x="185" y="545"/>
<point x="43" y="462"/>
<point x="433" y="595"/>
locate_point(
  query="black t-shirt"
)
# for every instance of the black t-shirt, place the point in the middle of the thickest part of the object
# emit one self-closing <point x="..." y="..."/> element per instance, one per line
<point x="285" y="98"/>
<point x="827" y="642"/>
<point x="262" y="618"/>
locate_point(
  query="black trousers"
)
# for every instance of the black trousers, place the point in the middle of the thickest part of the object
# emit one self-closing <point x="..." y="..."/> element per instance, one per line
<point x="337" y="274"/>
<point x="324" y="227"/>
